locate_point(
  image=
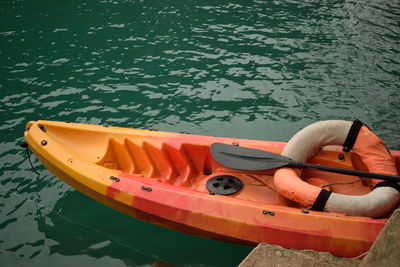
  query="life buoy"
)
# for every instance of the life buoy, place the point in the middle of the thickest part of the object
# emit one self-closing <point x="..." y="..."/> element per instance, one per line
<point x="354" y="135"/>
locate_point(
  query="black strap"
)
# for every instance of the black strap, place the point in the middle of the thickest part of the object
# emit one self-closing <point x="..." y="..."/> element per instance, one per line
<point x="388" y="184"/>
<point x="321" y="200"/>
<point x="352" y="135"/>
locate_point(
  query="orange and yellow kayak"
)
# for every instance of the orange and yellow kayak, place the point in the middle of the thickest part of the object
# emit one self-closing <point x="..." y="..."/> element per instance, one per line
<point x="164" y="178"/>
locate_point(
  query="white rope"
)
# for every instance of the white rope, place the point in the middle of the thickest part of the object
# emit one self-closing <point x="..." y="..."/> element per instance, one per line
<point x="342" y="183"/>
<point x="111" y="237"/>
<point x="361" y="255"/>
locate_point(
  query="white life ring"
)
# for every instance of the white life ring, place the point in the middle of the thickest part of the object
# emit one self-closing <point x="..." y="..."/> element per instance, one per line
<point x="381" y="200"/>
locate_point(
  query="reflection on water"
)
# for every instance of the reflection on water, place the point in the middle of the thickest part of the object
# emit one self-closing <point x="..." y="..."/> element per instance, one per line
<point x="250" y="69"/>
<point x="132" y="241"/>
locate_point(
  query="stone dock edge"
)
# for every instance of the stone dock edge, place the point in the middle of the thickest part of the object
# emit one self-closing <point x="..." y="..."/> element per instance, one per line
<point x="385" y="251"/>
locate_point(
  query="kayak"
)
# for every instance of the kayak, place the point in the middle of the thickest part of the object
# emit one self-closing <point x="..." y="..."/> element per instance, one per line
<point x="172" y="180"/>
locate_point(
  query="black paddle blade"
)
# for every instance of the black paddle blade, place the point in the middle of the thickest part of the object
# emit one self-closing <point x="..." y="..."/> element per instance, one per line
<point x="242" y="158"/>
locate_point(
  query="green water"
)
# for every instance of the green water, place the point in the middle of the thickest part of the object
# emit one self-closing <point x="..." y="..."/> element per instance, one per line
<point x="248" y="69"/>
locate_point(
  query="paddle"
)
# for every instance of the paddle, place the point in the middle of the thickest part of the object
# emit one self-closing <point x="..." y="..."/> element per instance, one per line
<point x="250" y="159"/>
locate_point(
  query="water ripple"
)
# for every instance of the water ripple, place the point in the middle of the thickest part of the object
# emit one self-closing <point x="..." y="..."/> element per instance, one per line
<point x="259" y="69"/>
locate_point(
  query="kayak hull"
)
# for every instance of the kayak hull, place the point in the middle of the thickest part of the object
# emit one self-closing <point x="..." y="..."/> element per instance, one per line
<point x="161" y="178"/>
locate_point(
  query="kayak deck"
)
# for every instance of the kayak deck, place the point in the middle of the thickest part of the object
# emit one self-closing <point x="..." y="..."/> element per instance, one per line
<point x="191" y="165"/>
<point x="161" y="177"/>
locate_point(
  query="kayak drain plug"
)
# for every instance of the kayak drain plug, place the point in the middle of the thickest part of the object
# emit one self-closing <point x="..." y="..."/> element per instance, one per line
<point x="114" y="178"/>
<point x="146" y="188"/>
<point x="265" y="212"/>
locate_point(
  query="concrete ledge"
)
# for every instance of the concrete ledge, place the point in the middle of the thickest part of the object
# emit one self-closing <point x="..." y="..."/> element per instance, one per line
<point x="384" y="252"/>
<point x="386" y="249"/>
<point x="269" y="255"/>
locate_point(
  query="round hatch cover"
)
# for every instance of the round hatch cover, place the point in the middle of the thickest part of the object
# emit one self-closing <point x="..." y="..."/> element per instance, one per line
<point x="224" y="185"/>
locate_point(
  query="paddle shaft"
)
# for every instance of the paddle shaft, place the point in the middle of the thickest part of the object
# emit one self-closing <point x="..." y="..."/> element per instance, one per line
<point x="345" y="171"/>
<point x="251" y="159"/>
